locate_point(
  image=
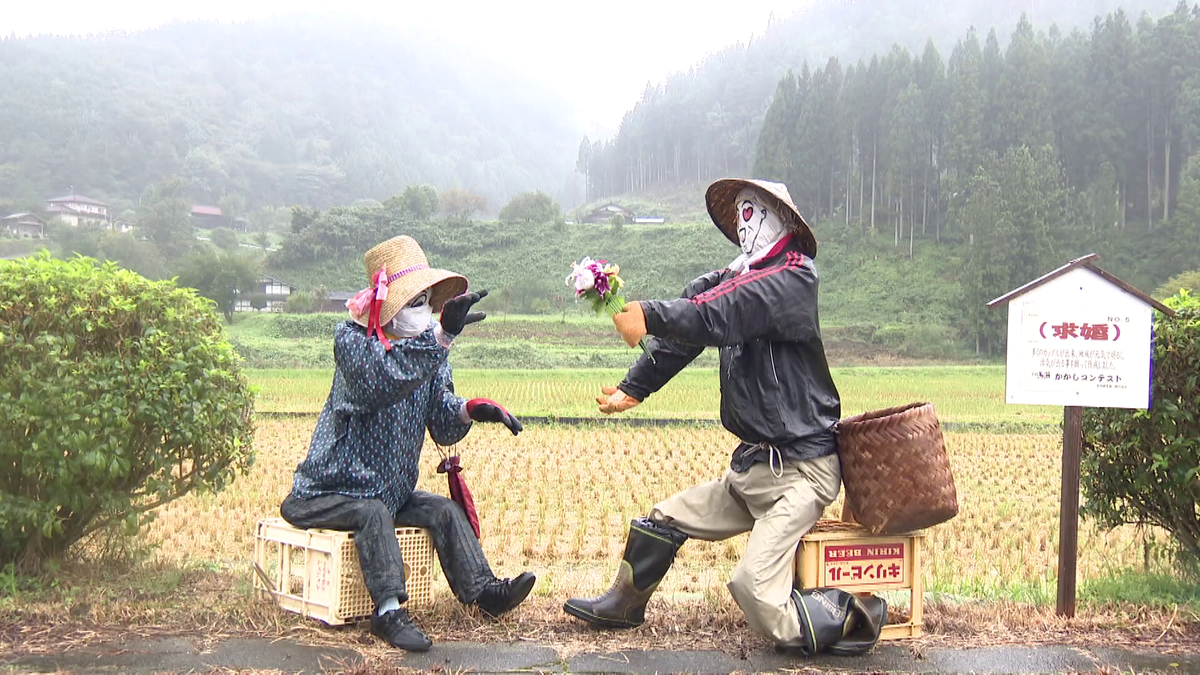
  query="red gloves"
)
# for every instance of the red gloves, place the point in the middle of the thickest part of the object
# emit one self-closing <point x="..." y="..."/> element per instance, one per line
<point x="487" y="410"/>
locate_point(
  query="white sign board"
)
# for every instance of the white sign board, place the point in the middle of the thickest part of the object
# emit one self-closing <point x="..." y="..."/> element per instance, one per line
<point x="1078" y="340"/>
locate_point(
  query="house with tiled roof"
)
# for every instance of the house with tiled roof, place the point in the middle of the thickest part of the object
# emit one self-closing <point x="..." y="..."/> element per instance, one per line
<point x="23" y="225"/>
<point x="276" y="291"/>
<point x="208" y="217"/>
<point x="76" y="210"/>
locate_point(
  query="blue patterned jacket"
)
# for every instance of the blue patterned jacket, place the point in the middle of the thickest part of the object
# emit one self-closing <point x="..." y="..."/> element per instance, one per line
<point x="367" y="443"/>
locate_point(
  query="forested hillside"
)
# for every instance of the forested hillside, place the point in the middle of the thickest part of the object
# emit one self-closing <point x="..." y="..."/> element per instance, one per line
<point x="1011" y="150"/>
<point x="276" y="112"/>
<point x="1054" y="146"/>
<point x="525" y="266"/>
<point x="940" y="169"/>
<point x="704" y="123"/>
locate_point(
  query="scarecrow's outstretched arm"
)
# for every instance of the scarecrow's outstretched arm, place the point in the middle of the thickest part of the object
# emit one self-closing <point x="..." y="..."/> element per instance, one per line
<point x="648" y="375"/>
<point x="445" y="423"/>
<point x="376" y="378"/>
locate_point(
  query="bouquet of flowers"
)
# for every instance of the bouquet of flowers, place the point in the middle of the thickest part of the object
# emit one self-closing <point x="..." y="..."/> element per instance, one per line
<point x="598" y="281"/>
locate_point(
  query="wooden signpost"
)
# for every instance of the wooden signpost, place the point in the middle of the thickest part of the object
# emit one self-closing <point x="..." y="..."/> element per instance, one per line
<point x="1078" y="337"/>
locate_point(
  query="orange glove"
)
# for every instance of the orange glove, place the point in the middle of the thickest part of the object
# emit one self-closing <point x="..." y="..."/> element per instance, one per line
<point x="616" y="401"/>
<point x="631" y="323"/>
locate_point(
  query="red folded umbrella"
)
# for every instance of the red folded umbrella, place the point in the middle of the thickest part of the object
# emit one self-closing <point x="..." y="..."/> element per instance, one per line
<point x="458" y="490"/>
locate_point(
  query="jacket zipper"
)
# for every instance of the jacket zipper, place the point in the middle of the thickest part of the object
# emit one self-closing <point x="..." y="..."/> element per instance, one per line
<point x="771" y="349"/>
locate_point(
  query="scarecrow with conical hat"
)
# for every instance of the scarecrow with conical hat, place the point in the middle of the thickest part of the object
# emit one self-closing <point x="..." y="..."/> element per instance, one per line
<point x="391" y="383"/>
<point x="777" y="398"/>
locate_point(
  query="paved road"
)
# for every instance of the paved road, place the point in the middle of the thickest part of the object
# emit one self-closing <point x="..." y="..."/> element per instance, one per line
<point x="176" y="654"/>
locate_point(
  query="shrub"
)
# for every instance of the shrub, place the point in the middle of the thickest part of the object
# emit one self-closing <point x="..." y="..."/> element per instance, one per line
<point x="523" y="355"/>
<point x="258" y="352"/>
<point x="258" y="301"/>
<point x="17" y="247"/>
<point x="300" y="302"/>
<point x="220" y="278"/>
<point x="918" y="342"/>
<point x="420" y="201"/>
<point x="1143" y="467"/>
<point x="1187" y="281"/>
<point x="531" y="207"/>
<point x="319" y="294"/>
<point x="225" y="239"/>
<point x="307" y="325"/>
<point x="117" y="395"/>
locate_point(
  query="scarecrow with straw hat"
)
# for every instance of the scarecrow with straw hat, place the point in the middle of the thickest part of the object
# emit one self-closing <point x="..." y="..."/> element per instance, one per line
<point x="777" y="397"/>
<point x="392" y="382"/>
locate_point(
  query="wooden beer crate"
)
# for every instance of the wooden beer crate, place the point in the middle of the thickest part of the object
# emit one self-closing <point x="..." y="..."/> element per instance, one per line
<point x="316" y="572"/>
<point x="837" y="554"/>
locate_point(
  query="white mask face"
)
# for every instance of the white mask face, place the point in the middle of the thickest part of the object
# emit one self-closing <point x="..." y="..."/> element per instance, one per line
<point x="413" y="319"/>
<point x="759" y="227"/>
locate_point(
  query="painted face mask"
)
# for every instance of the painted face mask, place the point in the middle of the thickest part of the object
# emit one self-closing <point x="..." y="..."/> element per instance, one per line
<point x="759" y="226"/>
<point x="413" y="319"/>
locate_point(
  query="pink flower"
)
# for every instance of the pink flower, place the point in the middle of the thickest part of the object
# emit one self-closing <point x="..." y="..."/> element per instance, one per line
<point x="600" y="282"/>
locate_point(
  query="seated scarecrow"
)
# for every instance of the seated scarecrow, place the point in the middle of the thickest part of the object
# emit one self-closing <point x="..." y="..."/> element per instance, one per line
<point x="392" y="382"/>
<point x="777" y="398"/>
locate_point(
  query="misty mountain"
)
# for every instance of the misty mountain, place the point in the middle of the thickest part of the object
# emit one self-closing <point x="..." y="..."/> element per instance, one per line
<point x="283" y="111"/>
<point x="703" y="124"/>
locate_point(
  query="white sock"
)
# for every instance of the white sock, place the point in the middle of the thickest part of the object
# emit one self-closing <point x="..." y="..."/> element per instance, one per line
<point x="388" y="605"/>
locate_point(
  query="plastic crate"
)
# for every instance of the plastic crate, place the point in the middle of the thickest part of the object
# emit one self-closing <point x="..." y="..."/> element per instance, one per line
<point x="316" y="572"/>
<point x="843" y="555"/>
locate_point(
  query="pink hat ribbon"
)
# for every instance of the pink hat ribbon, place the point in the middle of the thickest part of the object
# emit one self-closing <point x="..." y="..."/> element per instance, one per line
<point x="373" y="298"/>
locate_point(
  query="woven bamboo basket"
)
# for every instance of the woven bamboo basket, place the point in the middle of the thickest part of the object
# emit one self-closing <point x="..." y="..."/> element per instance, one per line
<point x="895" y="469"/>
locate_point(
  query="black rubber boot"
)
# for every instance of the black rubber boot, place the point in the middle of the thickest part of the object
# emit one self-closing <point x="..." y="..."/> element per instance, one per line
<point x="649" y="552"/>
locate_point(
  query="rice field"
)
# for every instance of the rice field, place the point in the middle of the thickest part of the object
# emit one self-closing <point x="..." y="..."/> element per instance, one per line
<point x="558" y="498"/>
<point x="962" y="395"/>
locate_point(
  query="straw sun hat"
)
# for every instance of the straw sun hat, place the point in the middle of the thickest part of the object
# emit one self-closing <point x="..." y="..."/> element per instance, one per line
<point x="721" y="200"/>
<point x="407" y="274"/>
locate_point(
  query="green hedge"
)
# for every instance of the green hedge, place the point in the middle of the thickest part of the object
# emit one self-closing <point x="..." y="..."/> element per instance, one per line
<point x="307" y="325"/>
<point x="117" y="395"/>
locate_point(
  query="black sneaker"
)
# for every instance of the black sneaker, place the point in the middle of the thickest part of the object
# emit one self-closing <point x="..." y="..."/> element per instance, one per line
<point x="503" y="595"/>
<point x="398" y="630"/>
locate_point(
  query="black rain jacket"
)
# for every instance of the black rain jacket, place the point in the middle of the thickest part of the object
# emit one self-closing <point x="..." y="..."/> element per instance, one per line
<point x="776" y="389"/>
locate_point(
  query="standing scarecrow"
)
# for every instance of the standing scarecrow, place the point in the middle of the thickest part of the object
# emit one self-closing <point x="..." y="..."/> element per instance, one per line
<point x="392" y="383"/>
<point x="777" y="397"/>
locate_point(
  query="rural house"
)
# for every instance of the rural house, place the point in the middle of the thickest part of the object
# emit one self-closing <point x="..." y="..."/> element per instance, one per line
<point x="336" y="301"/>
<point x="207" y="217"/>
<point x="23" y="225"/>
<point x="276" y="291"/>
<point x="76" y="210"/>
<point x="604" y="214"/>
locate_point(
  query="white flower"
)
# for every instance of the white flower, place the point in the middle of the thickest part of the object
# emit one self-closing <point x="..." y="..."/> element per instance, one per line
<point x="582" y="277"/>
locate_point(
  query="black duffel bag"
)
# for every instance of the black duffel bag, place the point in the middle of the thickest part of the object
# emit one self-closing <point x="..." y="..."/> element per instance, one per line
<point x="838" y="622"/>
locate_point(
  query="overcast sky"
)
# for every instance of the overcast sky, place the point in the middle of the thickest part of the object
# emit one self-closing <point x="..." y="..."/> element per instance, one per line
<point x="578" y="48"/>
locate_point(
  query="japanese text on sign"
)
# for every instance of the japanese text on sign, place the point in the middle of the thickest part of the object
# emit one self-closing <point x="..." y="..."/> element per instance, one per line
<point x="1079" y="341"/>
<point x="848" y="566"/>
<point x="1097" y="331"/>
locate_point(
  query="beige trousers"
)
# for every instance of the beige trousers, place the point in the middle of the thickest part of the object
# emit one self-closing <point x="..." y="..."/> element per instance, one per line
<point x="777" y="511"/>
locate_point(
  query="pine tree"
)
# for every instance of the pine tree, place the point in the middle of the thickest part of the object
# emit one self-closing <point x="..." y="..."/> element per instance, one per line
<point x="965" y="119"/>
<point x="935" y="92"/>
<point x="1023" y="96"/>
<point x="773" y="157"/>
<point x="990" y="73"/>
